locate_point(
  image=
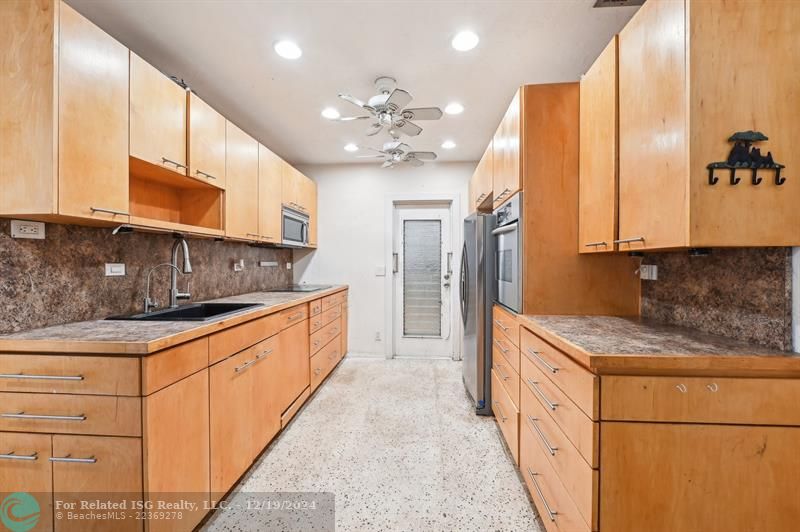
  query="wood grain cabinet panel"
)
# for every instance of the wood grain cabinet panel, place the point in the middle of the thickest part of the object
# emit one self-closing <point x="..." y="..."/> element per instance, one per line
<point x="345" y="339"/>
<point x="480" y="184"/>
<point x="266" y="375"/>
<point x="241" y="184"/>
<point x="597" y="221"/>
<point x="157" y="117"/>
<point x="290" y="316"/>
<point x="294" y="354"/>
<point x="206" y="141"/>
<point x="25" y="467"/>
<point x="507" y="323"/>
<point x="234" y="339"/>
<point x="507" y="374"/>
<point x="269" y="195"/>
<point x="506" y="146"/>
<point x="507" y="415"/>
<point x="85" y="375"/>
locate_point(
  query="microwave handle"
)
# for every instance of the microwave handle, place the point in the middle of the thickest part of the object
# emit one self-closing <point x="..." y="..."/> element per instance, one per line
<point x="506" y="228"/>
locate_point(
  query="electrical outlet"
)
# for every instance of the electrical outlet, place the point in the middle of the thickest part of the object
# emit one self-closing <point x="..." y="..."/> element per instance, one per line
<point x="238" y="265"/>
<point x="25" y="229"/>
<point x="648" y="272"/>
<point x="115" y="269"/>
<point x="288" y="265"/>
<point x="377" y="336"/>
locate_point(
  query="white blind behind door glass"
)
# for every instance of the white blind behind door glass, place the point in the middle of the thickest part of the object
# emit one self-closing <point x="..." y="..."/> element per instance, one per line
<point x="422" y="273"/>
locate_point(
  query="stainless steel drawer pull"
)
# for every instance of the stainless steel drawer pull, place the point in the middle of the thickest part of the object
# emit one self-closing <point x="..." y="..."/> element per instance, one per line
<point x="682" y="388"/>
<point x="543" y="362"/>
<point x="503" y="349"/>
<point x="500" y="324"/>
<point x="629" y="240"/>
<point x="23" y="415"/>
<point x="68" y="459"/>
<point x="552" y="450"/>
<point x="317" y="371"/>
<point x="244" y="366"/>
<point x="264" y="354"/>
<point x="713" y="387"/>
<point x="13" y="456"/>
<point x="502" y="415"/>
<point x="295" y="316"/>
<point x="41" y="377"/>
<point x="175" y="163"/>
<point x="109" y="211"/>
<point x="535" y="385"/>
<point x="596" y="244"/>
<point x="498" y="366"/>
<point x="550" y="512"/>
<point x="200" y="172"/>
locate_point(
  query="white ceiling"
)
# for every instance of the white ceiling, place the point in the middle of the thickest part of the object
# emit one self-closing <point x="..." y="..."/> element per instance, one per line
<point x="223" y="49"/>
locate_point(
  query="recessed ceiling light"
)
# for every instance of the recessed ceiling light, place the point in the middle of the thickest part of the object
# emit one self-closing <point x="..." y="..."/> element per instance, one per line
<point x="288" y="50"/>
<point x="330" y="113"/>
<point x="454" y="108"/>
<point x="465" y="40"/>
<point x="350" y="147"/>
<point x="448" y="144"/>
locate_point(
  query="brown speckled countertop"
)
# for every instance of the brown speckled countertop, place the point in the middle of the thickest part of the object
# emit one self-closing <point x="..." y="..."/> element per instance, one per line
<point x="144" y="337"/>
<point x="608" y="344"/>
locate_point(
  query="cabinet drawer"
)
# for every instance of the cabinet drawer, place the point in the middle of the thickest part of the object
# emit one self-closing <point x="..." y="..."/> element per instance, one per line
<point x="316" y="323"/>
<point x="323" y="362"/>
<point x="501" y="343"/>
<point x="315" y="307"/>
<point x="701" y="400"/>
<point x="579" y="384"/>
<point x="69" y="374"/>
<point x="556" y="508"/>
<point x="325" y="335"/>
<point x="225" y="343"/>
<point x="507" y="416"/>
<point x="71" y="414"/>
<point x="508" y="376"/>
<point x="507" y="323"/>
<point x="578" y="428"/>
<point x="171" y="365"/>
<point x="577" y="476"/>
<point x="334" y="299"/>
<point x="290" y="316"/>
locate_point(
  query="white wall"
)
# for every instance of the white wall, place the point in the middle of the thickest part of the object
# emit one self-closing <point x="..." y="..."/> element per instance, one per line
<point x="352" y="200"/>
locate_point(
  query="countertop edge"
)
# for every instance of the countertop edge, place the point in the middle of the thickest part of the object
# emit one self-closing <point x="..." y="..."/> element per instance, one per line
<point x="138" y="349"/>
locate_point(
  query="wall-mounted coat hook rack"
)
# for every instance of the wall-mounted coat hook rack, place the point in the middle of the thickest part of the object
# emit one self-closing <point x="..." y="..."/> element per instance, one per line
<point x="744" y="155"/>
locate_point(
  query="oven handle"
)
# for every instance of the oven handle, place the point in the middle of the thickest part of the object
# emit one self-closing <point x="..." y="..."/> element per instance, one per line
<point x="506" y="228"/>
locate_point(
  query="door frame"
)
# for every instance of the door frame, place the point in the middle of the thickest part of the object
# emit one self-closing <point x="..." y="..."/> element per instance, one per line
<point x="453" y="201"/>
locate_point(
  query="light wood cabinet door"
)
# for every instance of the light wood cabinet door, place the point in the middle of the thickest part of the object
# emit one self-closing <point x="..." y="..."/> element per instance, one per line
<point x="241" y="184"/>
<point x="176" y="447"/>
<point x="270" y="168"/>
<point x="105" y="465"/>
<point x="664" y="477"/>
<point x="344" y="330"/>
<point x="294" y="366"/>
<point x="24" y="467"/>
<point x="506" y="177"/>
<point x="597" y="217"/>
<point x="206" y="142"/>
<point x="266" y="377"/>
<point x="480" y="185"/>
<point x="230" y="388"/>
<point x="653" y="186"/>
<point x="291" y="183"/>
<point x="93" y="121"/>
<point x="310" y="203"/>
<point x="158" y="117"/>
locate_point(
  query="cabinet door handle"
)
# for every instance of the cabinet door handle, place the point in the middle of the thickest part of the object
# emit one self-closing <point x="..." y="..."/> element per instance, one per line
<point x="264" y="354"/>
<point x="498" y="366"/>
<point x="317" y="371"/>
<point x="552" y="450"/>
<point x="109" y="211"/>
<point x="550" y="404"/>
<point x="175" y="163"/>
<point x="244" y="366"/>
<point x="294" y="316"/>
<point x="500" y="324"/>
<point x="23" y="415"/>
<point x="543" y="362"/>
<point x="596" y="244"/>
<point x="11" y="455"/>
<point x="629" y="240"/>
<point x="201" y="173"/>
<point x="502" y="415"/>
<point x="70" y="460"/>
<point x="41" y="377"/>
<point x="500" y="345"/>
<point x="550" y="512"/>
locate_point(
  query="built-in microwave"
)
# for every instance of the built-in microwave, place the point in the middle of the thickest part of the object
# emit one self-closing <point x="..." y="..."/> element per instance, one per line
<point x="508" y="253"/>
<point x="294" y="227"/>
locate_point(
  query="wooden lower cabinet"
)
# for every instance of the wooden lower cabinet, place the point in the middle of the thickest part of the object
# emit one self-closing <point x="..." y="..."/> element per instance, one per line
<point x="294" y="354"/>
<point x="344" y="330"/>
<point x="24" y="467"/>
<point x="507" y="415"/>
<point x="669" y="477"/>
<point x="266" y="381"/>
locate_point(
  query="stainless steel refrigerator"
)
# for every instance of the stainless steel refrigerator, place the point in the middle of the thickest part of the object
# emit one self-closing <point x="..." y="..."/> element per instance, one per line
<point x="477" y="288"/>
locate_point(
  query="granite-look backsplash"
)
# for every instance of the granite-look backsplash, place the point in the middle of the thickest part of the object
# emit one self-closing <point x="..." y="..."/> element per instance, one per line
<point x="739" y="293"/>
<point x="62" y="279"/>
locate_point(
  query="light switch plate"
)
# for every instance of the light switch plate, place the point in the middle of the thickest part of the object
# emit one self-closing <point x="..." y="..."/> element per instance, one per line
<point x="380" y="271"/>
<point x="115" y="269"/>
<point x="26" y="229"/>
<point x="288" y="265"/>
<point x="648" y="272"/>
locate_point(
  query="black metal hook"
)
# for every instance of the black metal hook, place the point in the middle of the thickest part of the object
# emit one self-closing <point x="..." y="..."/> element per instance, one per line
<point x="712" y="180"/>
<point x="755" y="179"/>
<point x="778" y="179"/>
<point x="735" y="180"/>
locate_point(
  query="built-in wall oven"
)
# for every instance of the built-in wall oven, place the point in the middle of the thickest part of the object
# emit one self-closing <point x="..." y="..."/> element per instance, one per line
<point x="294" y="227"/>
<point x="508" y="253"/>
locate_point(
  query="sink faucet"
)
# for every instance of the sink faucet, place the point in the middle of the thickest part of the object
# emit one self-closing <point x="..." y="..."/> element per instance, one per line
<point x="174" y="293"/>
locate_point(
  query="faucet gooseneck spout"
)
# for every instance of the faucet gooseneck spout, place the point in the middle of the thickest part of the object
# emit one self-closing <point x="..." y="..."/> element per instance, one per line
<point x="174" y="293"/>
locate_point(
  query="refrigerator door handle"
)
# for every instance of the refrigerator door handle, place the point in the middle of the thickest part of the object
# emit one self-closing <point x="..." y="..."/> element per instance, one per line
<point x="464" y="287"/>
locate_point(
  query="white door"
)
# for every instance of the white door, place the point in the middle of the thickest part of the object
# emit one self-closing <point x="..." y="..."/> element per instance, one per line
<point x="422" y="270"/>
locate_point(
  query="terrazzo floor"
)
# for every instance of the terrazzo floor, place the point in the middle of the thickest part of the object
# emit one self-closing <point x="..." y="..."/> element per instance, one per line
<point x="397" y="445"/>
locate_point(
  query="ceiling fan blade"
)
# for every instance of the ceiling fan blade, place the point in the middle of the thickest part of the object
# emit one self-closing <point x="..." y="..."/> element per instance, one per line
<point x="422" y="113"/>
<point x="374" y="129"/>
<point x="414" y="162"/>
<point x="350" y="118"/>
<point x="371" y="148"/>
<point x="378" y="156"/>
<point x="423" y="155"/>
<point x="353" y="100"/>
<point x="409" y="128"/>
<point x="387" y="164"/>
<point x="397" y="100"/>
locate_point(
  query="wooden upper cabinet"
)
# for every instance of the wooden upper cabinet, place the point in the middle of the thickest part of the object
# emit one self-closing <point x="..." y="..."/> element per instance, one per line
<point x="241" y="189"/>
<point x="597" y="220"/>
<point x="480" y="185"/>
<point x="506" y="176"/>
<point x="206" y="142"/>
<point x="309" y="201"/>
<point x="92" y="121"/>
<point x="270" y="168"/>
<point x="158" y="117"/>
<point x="291" y="186"/>
<point x="690" y="76"/>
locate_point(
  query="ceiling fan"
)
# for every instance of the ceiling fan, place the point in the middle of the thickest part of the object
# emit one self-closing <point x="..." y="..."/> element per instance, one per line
<point x="397" y="153"/>
<point x="387" y="109"/>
